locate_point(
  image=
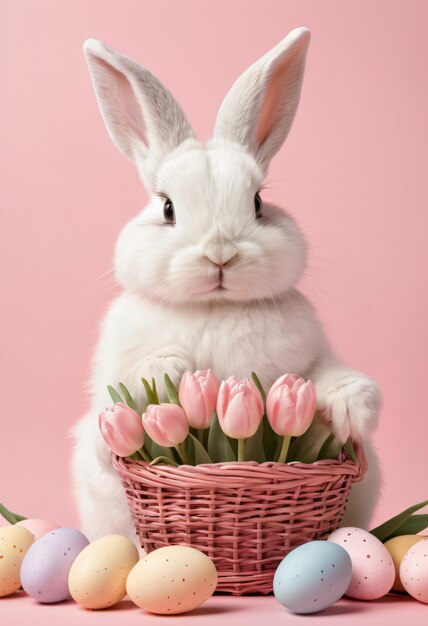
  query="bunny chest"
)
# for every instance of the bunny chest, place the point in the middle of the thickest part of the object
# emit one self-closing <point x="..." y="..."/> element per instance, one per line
<point x="230" y="338"/>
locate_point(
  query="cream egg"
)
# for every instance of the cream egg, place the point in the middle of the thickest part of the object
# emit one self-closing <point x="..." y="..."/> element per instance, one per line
<point x="14" y="543"/>
<point x="172" y="580"/>
<point x="97" y="578"/>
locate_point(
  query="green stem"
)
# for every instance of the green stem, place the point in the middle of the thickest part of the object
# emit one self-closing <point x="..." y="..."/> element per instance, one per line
<point x="10" y="517"/>
<point x="284" y="449"/>
<point x="182" y="454"/>
<point x="241" y="450"/>
<point x="201" y="435"/>
<point x="144" y="455"/>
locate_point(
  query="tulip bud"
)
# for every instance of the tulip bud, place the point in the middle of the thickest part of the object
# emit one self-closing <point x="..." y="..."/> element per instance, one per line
<point x="122" y="429"/>
<point x="198" y="396"/>
<point x="167" y="425"/>
<point x="240" y="409"/>
<point x="290" y="408"/>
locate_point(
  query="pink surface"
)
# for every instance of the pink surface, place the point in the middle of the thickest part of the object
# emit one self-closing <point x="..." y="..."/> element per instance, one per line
<point x="353" y="172"/>
<point x="393" y="610"/>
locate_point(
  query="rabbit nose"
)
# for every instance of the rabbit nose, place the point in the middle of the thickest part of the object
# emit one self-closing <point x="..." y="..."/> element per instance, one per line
<point x="220" y="254"/>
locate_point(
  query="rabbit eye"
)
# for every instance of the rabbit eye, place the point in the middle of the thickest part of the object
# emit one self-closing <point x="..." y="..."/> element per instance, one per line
<point x="258" y="205"/>
<point x="168" y="212"/>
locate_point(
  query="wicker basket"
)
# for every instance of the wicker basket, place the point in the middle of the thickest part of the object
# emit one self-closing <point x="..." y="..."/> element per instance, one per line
<point x="245" y="516"/>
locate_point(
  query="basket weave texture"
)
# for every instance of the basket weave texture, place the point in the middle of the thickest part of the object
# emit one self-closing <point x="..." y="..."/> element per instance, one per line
<point x="245" y="516"/>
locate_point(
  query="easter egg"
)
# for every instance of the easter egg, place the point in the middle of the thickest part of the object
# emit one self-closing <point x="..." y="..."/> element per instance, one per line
<point x="397" y="548"/>
<point x="312" y="577"/>
<point x="44" y="570"/>
<point x="414" y="571"/>
<point x="37" y="527"/>
<point x="172" y="580"/>
<point x="97" y="578"/>
<point x="372" y="566"/>
<point x="14" y="543"/>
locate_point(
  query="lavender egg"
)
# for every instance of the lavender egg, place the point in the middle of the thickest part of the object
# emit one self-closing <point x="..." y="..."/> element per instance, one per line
<point x="45" y="567"/>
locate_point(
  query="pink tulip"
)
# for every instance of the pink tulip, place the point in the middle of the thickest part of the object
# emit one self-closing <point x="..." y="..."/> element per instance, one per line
<point x="290" y="408"/>
<point x="122" y="429"/>
<point x="166" y="424"/>
<point x="286" y="379"/>
<point x="198" y="396"/>
<point x="240" y="409"/>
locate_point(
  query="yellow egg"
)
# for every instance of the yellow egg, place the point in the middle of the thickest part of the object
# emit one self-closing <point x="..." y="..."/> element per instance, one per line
<point x="397" y="547"/>
<point x="14" y="543"/>
<point x="172" y="580"/>
<point x="97" y="578"/>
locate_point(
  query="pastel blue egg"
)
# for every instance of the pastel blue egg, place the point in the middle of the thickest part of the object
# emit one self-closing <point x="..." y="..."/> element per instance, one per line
<point x="312" y="577"/>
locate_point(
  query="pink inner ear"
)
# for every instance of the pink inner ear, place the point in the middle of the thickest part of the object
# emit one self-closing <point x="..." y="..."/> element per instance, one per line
<point x="279" y="84"/>
<point x="125" y="102"/>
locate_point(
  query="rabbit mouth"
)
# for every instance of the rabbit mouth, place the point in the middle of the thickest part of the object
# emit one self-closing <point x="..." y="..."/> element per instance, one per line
<point x="218" y="287"/>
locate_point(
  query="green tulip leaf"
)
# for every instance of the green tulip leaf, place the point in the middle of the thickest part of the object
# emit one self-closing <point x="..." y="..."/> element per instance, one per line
<point x="189" y="449"/>
<point x="164" y="460"/>
<point x="259" y="385"/>
<point x="128" y="398"/>
<point x="157" y="450"/>
<point x="151" y="398"/>
<point x="254" y="448"/>
<point x="412" y="526"/>
<point x="155" y="392"/>
<point x="10" y="517"/>
<point x="171" y="391"/>
<point x="219" y="447"/>
<point x="154" y="449"/>
<point x="389" y="528"/>
<point x="349" y="447"/>
<point x="330" y="448"/>
<point x="200" y="455"/>
<point x="307" y="447"/>
<point x="114" y="395"/>
<point x="234" y="445"/>
<point x="148" y="443"/>
<point x="270" y="440"/>
<point x="291" y="454"/>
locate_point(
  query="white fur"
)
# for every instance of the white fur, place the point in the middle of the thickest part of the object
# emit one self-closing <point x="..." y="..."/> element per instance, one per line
<point x="170" y="316"/>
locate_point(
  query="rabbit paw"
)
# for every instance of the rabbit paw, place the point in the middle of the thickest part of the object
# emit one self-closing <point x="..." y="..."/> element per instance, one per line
<point x="350" y="405"/>
<point x="174" y="362"/>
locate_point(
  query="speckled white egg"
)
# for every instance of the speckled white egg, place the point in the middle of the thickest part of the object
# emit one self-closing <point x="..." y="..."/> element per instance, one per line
<point x="45" y="567"/>
<point x="373" y="570"/>
<point x="14" y="543"/>
<point x="312" y="577"/>
<point x="97" y="578"/>
<point x="172" y="580"/>
<point x="414" y="571"/>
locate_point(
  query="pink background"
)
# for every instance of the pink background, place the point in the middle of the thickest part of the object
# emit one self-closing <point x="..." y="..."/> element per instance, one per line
<point x="353" y="172"/>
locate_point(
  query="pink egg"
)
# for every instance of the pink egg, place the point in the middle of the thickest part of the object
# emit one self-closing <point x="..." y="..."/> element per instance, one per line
<point x="38" y="527"/>
<point x="414" y="571"/>
<point x="373" y="571"/>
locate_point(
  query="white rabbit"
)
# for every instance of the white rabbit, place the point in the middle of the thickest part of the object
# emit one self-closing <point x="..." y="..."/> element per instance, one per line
<point x="208" y="270"/>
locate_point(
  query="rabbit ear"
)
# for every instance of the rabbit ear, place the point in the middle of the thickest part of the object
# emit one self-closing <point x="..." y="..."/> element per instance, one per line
<point x="260" y="107"/>
<point x="142" y="117"/>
